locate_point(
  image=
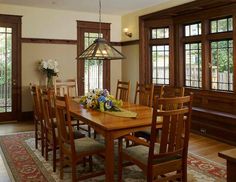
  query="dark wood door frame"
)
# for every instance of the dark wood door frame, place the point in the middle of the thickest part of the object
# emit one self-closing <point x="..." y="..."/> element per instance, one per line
<point x="14" y="22"/>
<point x="87" y="26"/>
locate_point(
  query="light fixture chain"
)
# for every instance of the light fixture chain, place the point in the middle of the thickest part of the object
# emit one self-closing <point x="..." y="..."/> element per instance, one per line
<point x="100" y="19"/>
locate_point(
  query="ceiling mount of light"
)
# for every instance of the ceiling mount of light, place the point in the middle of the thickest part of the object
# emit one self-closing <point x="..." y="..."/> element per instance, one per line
<point x="101" y="49"/>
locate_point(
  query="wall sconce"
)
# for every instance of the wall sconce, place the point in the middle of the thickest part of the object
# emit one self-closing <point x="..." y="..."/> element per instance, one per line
<point x="127" y="33"/>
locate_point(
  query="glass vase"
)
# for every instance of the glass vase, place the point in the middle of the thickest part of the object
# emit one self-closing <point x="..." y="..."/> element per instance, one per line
<point x="50" y="82"/>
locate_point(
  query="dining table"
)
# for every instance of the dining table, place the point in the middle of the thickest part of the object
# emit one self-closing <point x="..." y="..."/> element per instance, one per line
<point x="112" y="127"/>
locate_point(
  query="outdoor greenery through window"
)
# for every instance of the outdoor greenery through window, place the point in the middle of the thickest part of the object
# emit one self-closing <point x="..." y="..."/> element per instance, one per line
<point x="193" y="29"/>
<point x="160" y="64"/>
<point x="222" y="65"/>
<point x="160" y="33"/>
<point x="193" y="65"/>
<point x="5" y="69"/>
<point x="93" y="73"/>
<point x="222" y="25"/>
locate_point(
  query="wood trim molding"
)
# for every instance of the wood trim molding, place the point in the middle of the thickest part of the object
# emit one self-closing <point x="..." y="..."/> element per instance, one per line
<point x="72" y="42"/>
<point x="48" y="41"/>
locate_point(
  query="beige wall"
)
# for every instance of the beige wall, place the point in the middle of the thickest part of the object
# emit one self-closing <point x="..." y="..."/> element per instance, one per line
<point x="55" y="24"/>
<point x="130" y="67"/>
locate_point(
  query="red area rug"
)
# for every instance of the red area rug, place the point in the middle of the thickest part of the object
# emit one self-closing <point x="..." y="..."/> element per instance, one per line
<point x="27" y="164"/>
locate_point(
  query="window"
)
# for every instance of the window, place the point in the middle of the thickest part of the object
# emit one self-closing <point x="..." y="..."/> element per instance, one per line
<point x="193" y="65"/>
<point x="222" y="25"/>
<point x="160" y="33"/>
<point x="193" y="29"/>
<point x="160" y="64"/>
<point x="222" y="65"/>
<point x="93" y="69"/>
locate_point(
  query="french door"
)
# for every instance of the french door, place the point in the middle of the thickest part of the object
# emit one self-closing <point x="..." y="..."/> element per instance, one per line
<point x="92" y="74"/>
<point x="10" y="79"/>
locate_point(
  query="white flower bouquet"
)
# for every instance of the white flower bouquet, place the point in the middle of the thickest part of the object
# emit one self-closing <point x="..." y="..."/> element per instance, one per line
<point x="50" y="68"/>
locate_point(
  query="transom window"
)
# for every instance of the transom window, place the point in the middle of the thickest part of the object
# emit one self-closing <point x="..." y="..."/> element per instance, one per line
<point x="160" y="64"/>
<point x="193" y="65"/>
<point x="160" y="33"/>
<point x="222" y="65"/>
<point x="193" y="29"/>
<point x="222" y="25"/>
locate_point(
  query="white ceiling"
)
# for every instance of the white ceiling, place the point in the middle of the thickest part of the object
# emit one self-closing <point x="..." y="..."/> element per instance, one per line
<point x="116" y="7"/>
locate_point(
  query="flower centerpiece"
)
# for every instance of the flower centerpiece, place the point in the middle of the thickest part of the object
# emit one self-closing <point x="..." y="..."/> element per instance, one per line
<point x="50" y="68"/>
<point x="101" y="100"/>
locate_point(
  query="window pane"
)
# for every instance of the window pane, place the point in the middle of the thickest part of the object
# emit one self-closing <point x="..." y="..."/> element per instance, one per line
<point x="222" y="65"/>
<point x="193" y="29"/>
<point x="160" y="64"/>
<point x="193" y="65"/>
<point x="222" y="25"/>
<point x="93" y="69"/>
<point x="160" y="33"/>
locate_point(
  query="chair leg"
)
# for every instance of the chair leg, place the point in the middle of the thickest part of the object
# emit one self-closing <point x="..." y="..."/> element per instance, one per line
<point x="120" y="167"/>
<point x="61" y="165"/>
<point x="73" y="172"/>
<point x="42" y="138"/>
<point x="54" y="157"/>
<point x="89" y="131"/>
<point x="36" y="133"/>
<point x="90" y="163"/>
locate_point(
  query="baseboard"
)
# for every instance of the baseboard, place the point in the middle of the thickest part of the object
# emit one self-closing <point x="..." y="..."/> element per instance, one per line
<point x="26" y="116"/>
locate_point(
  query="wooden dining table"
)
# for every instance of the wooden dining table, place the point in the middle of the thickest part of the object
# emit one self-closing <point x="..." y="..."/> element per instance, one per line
<point x="112" y="127"/>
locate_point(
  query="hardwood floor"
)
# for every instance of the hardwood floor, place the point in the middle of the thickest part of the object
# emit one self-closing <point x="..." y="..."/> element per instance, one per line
<point x="199" y="145"/>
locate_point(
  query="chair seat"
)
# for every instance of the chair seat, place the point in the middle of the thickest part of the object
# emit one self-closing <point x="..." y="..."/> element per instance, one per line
<point x="87" y="145"/>
<point x="140" y="153"/>
<point x="77" y="134"/>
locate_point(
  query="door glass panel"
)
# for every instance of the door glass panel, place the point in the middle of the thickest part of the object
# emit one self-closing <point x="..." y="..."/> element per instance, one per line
<point x="93" y="69"/>
<point x="5" y="69"/>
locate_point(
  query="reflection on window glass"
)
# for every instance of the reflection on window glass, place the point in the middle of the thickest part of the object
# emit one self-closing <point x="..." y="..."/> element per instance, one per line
<point x="222" y="65"/>
<point x="193" y="29"/>
<point x="222" y="25"/>
<point x="160" y="33"/>
<point x="160" y="64"/>
<point x="193" y="65"/>
<point x="93" y="69"/>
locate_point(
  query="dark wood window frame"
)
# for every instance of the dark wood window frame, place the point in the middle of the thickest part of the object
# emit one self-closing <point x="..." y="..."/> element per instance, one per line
<point x="214" y="112"/>
<point x="87" y="26"/>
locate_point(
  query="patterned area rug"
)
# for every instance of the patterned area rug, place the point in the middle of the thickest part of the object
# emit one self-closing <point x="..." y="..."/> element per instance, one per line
<point x="26" y="164"/>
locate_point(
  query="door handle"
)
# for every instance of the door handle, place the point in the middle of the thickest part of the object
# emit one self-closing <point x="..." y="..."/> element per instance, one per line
<point x="14" y="82"/>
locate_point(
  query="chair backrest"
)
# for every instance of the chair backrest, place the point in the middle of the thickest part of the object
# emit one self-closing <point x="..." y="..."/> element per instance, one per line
<point x="175" y="128"/>
<point x="65" y="130"/>
<point x="173" y="91"/>
<point x="122" y="90"/>
<point x="47" y="109"/>
<point x="34" y="90"/>
<point x="68" y="87"/>
<point x="144" y="92"/>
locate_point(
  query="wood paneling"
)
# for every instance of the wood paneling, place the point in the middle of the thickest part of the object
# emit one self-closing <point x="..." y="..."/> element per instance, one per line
<point x="48" y="41"/>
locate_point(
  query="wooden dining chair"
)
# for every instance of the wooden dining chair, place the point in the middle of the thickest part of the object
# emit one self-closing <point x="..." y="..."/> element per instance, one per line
<point x="148" y="91"/>
<point x="144" y="94"/>
<point x="167" y="160"/>
<point x="50" y="125"/>
<point x="51" y="140"/>
<point x="38" y="118"/>
<point x="73" y="151"/>
<point x="122" y="90"/>
<point x="69" y="87"/>
<point x="173" y="91"/>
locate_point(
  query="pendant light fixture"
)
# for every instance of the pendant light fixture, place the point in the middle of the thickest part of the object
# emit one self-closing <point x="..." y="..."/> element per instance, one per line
<point x="101" y="49"/>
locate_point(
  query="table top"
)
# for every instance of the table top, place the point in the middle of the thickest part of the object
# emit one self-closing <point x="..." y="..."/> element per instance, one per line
<point x="109" y="122"/>
<point x="229" y="155"/>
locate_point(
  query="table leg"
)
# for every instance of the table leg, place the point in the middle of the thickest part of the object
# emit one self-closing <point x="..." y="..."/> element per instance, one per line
<point x="231" y="171"/>
<point x="109" y="161"/>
